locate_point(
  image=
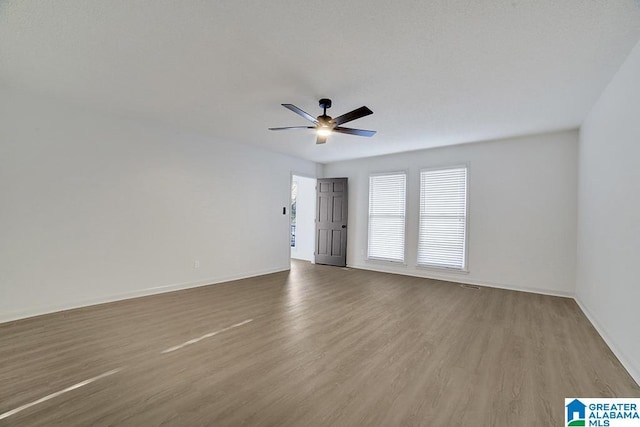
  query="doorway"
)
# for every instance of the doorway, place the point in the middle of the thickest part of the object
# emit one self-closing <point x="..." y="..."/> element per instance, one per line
<point x="303" y="217"/>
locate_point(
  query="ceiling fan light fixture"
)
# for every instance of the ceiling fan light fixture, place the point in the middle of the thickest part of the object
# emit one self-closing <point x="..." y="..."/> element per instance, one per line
<point x="324" y="131"/>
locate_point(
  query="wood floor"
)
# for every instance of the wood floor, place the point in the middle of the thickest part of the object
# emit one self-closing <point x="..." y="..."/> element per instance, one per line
<point x="319" y="346"/>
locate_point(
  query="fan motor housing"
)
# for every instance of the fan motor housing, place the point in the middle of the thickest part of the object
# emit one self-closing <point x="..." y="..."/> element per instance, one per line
<point x="325" y="120"/>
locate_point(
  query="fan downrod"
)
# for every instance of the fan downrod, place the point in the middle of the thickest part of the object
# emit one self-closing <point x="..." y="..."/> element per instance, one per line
<point x="324" y="104"/>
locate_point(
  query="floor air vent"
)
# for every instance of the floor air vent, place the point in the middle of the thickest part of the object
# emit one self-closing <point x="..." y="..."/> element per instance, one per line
<point x="474" y="287"/>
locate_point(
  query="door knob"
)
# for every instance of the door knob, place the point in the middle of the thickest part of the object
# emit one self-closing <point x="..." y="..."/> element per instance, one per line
<point x="344" y="226"/>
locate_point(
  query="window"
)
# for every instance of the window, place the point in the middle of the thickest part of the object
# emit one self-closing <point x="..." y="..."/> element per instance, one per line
<point x="442" y="233"/>
<point x="387" y="198"/>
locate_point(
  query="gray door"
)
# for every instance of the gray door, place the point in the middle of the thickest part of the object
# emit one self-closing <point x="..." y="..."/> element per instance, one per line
<point x="331" y="221"/>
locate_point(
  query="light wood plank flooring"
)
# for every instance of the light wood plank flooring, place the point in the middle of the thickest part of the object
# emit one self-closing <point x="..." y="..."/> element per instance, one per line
<point x="325" y="346"/>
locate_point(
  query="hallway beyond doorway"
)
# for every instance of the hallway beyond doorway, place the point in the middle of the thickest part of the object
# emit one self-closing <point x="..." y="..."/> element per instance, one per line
<point x="303" y="207"/>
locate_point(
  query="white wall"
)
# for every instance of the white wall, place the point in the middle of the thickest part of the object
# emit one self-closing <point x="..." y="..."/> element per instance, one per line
<point x="305" y="219"/>
<point x="97" y="207"/>
<point x="608" y="287"/>
<point x="522" y="210"/>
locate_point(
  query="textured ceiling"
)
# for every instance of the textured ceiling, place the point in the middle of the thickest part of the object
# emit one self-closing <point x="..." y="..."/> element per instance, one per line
<point x="434" y="72"/>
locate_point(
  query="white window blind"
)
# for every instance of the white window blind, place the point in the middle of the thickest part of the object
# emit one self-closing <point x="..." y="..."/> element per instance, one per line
<point x="387" y="199"/>
<point x="443" y="218"/>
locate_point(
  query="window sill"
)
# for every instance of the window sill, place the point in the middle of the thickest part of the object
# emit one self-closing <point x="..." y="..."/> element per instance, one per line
<point x="385" y="262"/>
<point x="441" y="269"/>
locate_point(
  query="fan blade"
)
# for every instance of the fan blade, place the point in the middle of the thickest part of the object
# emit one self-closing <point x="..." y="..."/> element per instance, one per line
<point x="352" y="115"/>
<point x="349" y="131"/>
<point x="293" y="127"/>
<point x="321" y="139"/>
<point x="301" y="113"/>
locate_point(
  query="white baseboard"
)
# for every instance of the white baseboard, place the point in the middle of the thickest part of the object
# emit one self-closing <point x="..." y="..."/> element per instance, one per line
<point x="465" y="280"/>
<point x="38" y="311"/>
<point x="634" y="371"/>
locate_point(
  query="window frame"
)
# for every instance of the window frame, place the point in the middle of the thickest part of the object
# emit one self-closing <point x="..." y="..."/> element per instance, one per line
<point x="406" y="196"/>
<point x="465" y="267"/>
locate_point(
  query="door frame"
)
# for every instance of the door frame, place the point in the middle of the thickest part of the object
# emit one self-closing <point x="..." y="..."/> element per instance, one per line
<point x="304" y="175"/>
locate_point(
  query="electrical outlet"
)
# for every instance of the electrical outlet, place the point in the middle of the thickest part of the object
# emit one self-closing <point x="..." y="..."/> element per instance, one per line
<point x="196" y="264"/>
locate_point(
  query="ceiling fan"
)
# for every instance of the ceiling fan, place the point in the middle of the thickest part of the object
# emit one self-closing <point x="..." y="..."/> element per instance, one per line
<point x="326" y="125"/>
